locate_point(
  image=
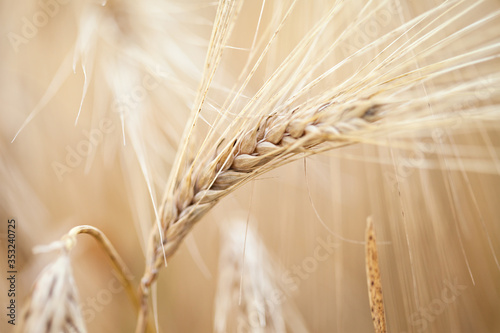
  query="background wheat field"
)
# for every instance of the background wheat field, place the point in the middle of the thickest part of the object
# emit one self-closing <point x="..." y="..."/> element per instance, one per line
<point x="244" y="145"/>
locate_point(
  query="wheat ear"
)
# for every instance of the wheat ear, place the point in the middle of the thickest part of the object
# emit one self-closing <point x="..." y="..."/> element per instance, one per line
<point x="247" y="281"/>
<point x="53" y="306"/>
<point x="271" y="142"/>
<point x="274" y="140"/>
<point x="260" y="146"/>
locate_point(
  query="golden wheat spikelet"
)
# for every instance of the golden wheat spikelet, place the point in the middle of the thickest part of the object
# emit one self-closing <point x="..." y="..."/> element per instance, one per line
<point x="54" y="304"/>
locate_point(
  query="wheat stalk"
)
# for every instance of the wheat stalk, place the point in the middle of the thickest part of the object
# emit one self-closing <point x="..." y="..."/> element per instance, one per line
<point x="124" y="274"/>
<point x="374" y="280"/>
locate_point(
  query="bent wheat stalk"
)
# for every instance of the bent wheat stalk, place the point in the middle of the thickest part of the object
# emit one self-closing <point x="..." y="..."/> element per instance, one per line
<point x="56" y="286"/>
<point x="124" y="274"/>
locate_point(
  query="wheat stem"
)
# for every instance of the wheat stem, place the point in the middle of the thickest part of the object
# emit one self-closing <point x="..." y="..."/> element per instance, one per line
<point x="374" y="281"/>
<point x="124" y="274"/>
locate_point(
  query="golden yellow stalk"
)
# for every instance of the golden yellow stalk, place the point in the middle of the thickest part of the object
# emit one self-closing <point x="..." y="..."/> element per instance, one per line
<point x="124" y="274"/>
<point x="374" y="281"/>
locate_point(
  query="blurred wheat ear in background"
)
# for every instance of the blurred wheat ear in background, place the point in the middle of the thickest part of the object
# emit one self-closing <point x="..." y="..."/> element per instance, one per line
<point x="280" y="126"/>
